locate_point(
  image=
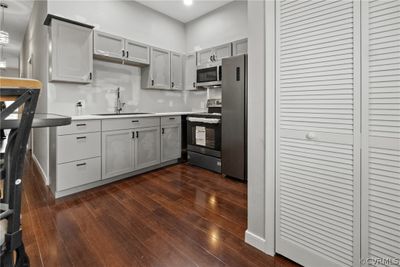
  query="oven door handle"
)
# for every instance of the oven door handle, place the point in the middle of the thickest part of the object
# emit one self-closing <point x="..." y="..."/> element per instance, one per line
<point x="204" y="120"/>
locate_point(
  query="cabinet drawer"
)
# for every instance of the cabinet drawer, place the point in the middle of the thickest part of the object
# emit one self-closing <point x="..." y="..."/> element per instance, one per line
<point x="78" y="146"/>
<point x="80" y="127"/>
<point x="168" y="120"/>
<point x="78" y="173"/>
<point x="120" y="124"/>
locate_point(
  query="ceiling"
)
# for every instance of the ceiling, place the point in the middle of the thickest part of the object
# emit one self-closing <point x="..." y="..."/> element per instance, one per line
<point x="16" y="19"/>
<point x="177" y="10"/>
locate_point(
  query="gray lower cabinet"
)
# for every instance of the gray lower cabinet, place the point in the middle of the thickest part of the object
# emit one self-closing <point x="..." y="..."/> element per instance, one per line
<point x="87" y="153"/>
<point x="118" y="153"/>
<point x="147" y="147"/>
<point x="170" y="142"/>
<point x="171" y="132"/>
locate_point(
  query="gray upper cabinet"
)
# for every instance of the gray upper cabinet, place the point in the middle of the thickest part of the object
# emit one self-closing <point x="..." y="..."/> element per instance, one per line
<point x="190" y="71"/>
<point x="239" y="47"/>
<point x="108" y="46"/>
<point x="158" y="74"/>
<point x="222" y="51"/>
<point x="176" y="71"/>
<point x="137" y="53"/>
<point x="214" y="55"/>
<point x="71" y="54"/>
<point x="147" y="144"/>
<point x="205" y="56"/>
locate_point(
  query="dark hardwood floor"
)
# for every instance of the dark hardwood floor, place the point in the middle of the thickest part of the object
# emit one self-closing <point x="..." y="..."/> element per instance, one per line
<point x="177" y="216"/>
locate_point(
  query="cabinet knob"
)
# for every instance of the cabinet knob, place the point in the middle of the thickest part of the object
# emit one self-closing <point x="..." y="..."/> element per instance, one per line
<point x="90" y="76"/>
<point x="194" y="84"/>
<point x="311" y="136"/>
<point x="152" y="82"/>
<point x="162" y="130"/>
<point x="172" y="84"/>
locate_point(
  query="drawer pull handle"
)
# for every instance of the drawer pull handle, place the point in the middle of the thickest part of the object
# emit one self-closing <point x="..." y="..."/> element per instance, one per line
<point x="81" y="137"/>
<point x="172" y="118"/>
<point x="80" y="164"/>
<point x="135" y="121"/>
<point x="81" y="124"/>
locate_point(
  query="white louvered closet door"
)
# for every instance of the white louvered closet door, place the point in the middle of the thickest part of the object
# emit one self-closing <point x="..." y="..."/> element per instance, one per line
<point x="381" y="132"/>
<point x="318" y="132"/>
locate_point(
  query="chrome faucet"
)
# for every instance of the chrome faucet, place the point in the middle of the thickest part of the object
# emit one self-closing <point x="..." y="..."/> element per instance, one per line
<point x="118" y="105"/>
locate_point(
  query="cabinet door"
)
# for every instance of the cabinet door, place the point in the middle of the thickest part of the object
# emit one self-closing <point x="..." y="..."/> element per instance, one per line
<point x="318" y="132"/>
<point x="381" y="127"/>
<point x="117" y="153"/>
<point x="239" y="47"/>
<point x="71" y="54"/>
<point x="170" y="142"/>
<point x="190" y="72"/>
<point x="108" y="45"/>
<point x="147" y="147"/>
<point x="176" y="71"/>
<point x="136" y="52"/>
<point x="222" y="51"/>
<point x="204" y="56"/>
<point x="160" y="69"/>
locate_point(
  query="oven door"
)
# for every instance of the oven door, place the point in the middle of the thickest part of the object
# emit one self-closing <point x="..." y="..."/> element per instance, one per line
<point x="204" y="136"/>
<point x="210" y="76"/>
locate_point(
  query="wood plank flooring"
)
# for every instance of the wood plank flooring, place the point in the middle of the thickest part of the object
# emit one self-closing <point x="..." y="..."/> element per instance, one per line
<point x="177" y="216"/>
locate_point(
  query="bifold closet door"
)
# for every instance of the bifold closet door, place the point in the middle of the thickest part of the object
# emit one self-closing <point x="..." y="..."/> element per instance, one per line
<point x="381" y="132"/>
<point x="318" y="132"/>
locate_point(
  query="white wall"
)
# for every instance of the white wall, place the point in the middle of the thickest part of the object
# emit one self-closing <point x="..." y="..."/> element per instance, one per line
<point x="225" y="24"/>
<point x="125" y="18"/>
<point x="35" y="45"/>
<point x="261" y="124"/>
<point x="99" y="97"/>
<point x="130" y="20"/>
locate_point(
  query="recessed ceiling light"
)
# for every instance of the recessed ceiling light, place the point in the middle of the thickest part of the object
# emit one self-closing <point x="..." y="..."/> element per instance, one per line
<point x="188" y="2"/>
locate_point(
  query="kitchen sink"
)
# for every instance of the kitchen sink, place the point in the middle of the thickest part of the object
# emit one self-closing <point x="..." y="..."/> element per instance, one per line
<point x="122" y="114"/>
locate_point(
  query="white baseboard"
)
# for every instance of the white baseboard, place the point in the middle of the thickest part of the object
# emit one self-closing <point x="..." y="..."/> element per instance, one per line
<point x="259" y="243"/>
<point x="42" y="173"/>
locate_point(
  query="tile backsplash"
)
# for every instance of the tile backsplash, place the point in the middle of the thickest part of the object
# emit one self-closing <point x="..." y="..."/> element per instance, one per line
<point x="100" y="95"/>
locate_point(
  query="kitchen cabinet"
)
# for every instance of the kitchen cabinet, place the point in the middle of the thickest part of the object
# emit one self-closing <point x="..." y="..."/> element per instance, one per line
<point x="205" y="56"/>
<point x="176" y="71"/>
<point x="108" y="46"/>
<point x="190" y="71"/>
<point x="222" y="51"/>
<point x="70" y="53"/>
<point x="147" y="147"/>
<point x="118" y="153"/>
<point x="170" y="138"/>
<point x="214" y="54"/>
<point x="158" y="74"/>
<point x="239" y="47"/>
<point x="136" y="52"/>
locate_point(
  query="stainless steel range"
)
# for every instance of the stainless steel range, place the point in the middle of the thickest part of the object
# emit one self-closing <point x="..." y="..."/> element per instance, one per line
<point x="204" y="137"/>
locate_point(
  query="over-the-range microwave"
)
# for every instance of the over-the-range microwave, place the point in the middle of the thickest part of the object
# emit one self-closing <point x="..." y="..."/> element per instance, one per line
<point x="209" y="76"/>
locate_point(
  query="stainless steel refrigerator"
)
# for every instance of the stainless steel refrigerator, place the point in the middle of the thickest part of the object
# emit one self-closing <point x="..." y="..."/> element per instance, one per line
<point x="234" y="117"/>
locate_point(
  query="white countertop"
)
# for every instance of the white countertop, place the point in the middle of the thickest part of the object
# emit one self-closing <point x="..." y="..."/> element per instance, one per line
<point x="160" y="114"/>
